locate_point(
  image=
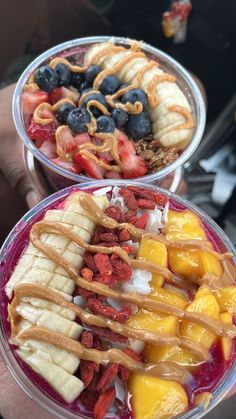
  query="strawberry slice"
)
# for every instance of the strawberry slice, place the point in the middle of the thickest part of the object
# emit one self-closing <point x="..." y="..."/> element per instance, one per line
<point x="133" y="166"/>
<point x="89" y="166"/>
<point x="70" y="166"/>
<point x="49" y="149"/>
<point x="112" y="175"/>
<point x="40" y="132"/>
<point x="125" y="146"/>
<point x="62" y="93"/>
<point x="31" y="99"/>
<point x="82" y="139"/>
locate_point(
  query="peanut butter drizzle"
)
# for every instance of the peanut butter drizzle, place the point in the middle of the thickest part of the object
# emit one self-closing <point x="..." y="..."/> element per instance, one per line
<point x="107" y="50"/>
<point x="215" y="326"/>
<point x="186" y="114"/>
<point x="61" y="60"/>
<point x="155" y="338"/>
<point x="99" y="217"/>
<point x="151" y="92"/>
<point x="99" y="105"/>
<point x="53" y="108"/>
<point x="168" y="370"/>
<point x="110" y="71"/>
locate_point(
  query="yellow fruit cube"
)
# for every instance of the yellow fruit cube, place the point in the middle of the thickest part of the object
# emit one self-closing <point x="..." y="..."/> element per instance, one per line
<point x="155" y="354"/>
<point x="226" y="343"/>
<point x="170" y="297"/>
<point x="226" y="298"/>
<point x="153" y="251"/>
<point x="156" y="398"/>
<point x="204" y="303"/>
<point x="153" y="321"/>
<point x="186" y="225"/>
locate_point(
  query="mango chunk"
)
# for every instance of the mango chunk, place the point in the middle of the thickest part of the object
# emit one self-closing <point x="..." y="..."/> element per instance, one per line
<point x="156" y="398"/>
<point x="153" y="321"/>
<point x="153" y="251"/>
<point x="204" y="303"/>
<point x="170" y="297"/>
<point x="186" y="225"/>
<point x="226" y="343"/>
<point x="155" y="354"/>
<point x="226" y="298"/>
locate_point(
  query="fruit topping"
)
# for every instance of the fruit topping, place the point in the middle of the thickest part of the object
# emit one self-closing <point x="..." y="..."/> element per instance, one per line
<point x="135" y="95"/>
<point x="32" y="98"/>
<point x="110" y="85"/>
<point x="138" y="126"/>
<point x="120" y="117"/>
<point x="63" y="74"/>
<point x="88" y="166"/>
<point x="78" y="119"/>
<point x="77" y="79"/>
<point x="91" y="73"/>
<point x="84" y="87"/>
<point x="46" y="78"/>
<point x="94" y="96"/>
<point x="105" y="124"/>
<point x="63" y="112"/>
<point x="40" y="133"/>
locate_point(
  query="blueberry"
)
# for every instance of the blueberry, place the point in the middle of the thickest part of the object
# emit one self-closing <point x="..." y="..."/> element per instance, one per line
<point x="135" y="95"/>
<point x="46" y="78"/>
<point x="84" y="86"/>
<point x="63" y="112"/>
<point x="63" y="74"/>
<point x="105" y="124"/>
<point x="91" y="73"/>
<point x="120" y="117"/>
<point x="78" y="119"/>
<point x="138" y="126"/>
<point x="110" y="85"/>
<point x="95" y="96"/>
<point x="77" y="79"/>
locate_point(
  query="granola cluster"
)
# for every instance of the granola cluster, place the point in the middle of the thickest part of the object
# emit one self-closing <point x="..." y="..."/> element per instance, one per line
<point x="156" y="156"/>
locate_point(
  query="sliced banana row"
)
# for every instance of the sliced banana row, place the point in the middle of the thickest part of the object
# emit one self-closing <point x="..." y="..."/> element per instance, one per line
<point x="168" y="94"/>
<point x="55" y="365"/>
<point x="35" y="267"/>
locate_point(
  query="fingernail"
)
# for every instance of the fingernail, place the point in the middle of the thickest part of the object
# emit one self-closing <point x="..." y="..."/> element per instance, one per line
<point x="32" y="198"/>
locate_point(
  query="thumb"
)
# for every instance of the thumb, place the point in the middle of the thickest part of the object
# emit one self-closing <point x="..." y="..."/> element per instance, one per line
<point x="19" y="179"/>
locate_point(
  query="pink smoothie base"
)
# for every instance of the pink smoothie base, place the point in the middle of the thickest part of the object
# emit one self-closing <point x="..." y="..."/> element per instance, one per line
<point x="205" y="379"/>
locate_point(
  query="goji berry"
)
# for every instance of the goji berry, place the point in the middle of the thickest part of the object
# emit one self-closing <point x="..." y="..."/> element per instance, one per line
<point x="114" y="212"/>
<point x="109" y="280"/>
<point x="92" y="387"/>
<point x="121" y="269"/>
<point x="124" y="235"/>
<point x="146" y="203"/>
<point x="83" y="292"/>
<point x="129" y="199"/>
<point x="110" y="312"/>
<point x="126" y="215"/>
<point x="160" y="199"/>
<point x="123" y="373"/>
<point x="133" y="220"/>
<point x="133" y="354"/>
<point x="88" y="399"/>
<point x="97" y="344"/>
<point x="108" y="237"/>
<point x="107" y="244"/>
<point x="87" y="274"/>
<point x="86" y="339"/>
<point x="89" y="261"/>
<point x="105" y="400"/>
<point x="142" y="221"/>
<point x="143" y="193"/>
<point x="103" y="264"/>
<point x="87" y="370"/>
<point x="127" y="248"/>
<point x="109" y="335"/>
<point x="108" y="376"/>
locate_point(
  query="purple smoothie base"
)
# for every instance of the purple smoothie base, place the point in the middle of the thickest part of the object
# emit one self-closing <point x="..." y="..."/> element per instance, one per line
<point x="205" y="379"/>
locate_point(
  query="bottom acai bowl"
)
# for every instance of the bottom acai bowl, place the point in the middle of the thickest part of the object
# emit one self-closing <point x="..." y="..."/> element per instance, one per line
<point x="118" y="300"/>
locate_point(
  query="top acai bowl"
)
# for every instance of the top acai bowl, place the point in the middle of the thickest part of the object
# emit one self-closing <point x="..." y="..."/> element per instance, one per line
<point x="103" y="107"/>
<point x="117" y="300"/>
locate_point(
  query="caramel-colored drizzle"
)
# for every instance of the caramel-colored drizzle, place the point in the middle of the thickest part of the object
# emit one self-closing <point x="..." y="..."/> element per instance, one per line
<point x="151" y="88"/>
<point x="37" y="115"/>
<point x="156" y="338"/>
<point x="189" y="122"/>
<point x="168" y="370"/>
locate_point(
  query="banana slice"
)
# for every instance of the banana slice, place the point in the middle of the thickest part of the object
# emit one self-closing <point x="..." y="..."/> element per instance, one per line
<point x="165" y="121"/>
<point x="49" y="319"/>
<point x="67" y="385"/>
<point x="48" y="305"/>
<point x="35" y="267"/>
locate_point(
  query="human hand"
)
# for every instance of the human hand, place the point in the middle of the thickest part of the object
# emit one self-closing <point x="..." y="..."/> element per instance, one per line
<point x="11" y="152"/>
<point x="14" y="403"/>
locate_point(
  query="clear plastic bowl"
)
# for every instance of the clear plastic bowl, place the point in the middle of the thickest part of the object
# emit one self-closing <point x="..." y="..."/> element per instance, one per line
<point x="12" y="249"/>
<point x="62" y="177"/>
